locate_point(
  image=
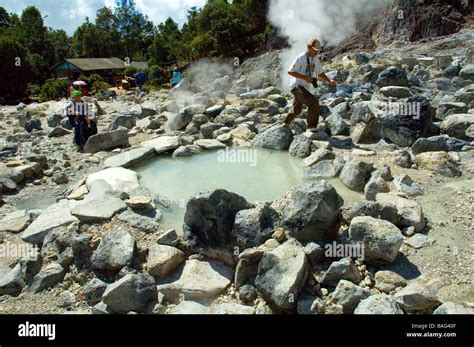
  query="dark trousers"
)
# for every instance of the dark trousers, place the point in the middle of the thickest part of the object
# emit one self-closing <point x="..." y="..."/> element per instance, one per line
<point x="304" y="97"/>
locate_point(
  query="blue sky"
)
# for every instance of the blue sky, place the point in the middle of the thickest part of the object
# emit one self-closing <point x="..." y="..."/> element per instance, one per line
<point x="69" y="14"/>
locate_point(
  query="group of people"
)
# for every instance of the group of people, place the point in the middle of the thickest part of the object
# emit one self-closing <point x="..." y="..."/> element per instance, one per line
<point x="305" y="71"/>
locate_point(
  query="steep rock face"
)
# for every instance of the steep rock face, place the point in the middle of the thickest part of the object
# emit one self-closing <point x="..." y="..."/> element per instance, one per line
<point x="407" y="19"/>
<point x="418" y="20"/>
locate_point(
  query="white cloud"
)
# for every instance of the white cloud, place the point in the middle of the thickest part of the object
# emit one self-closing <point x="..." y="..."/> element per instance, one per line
<point x="68" y="15"/>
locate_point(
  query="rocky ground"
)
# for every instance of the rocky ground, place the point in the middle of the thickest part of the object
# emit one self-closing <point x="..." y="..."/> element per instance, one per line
<point x="98" y="231"/>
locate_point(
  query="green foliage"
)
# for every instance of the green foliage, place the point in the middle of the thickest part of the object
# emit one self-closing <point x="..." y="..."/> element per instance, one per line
<point x="54" y="89"/>
<point x="157" y="75"/>
<point x="219" y="29"/>
<point x="130" y="71"/>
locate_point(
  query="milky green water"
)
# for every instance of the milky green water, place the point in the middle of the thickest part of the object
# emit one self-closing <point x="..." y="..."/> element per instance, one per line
<point x="256" y="174"/>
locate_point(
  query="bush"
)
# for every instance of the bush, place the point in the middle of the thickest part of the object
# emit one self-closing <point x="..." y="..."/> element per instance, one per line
<point x="98" y="86"/>
<point x="130" y="71"/>
<point x="157" y="75"/>
<point x="54" y="89"/>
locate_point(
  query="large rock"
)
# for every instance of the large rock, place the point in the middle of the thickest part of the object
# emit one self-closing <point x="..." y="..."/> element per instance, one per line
<point x="254" y="226"/>
<point x="348" y="295"/>
<point x="311" y="211"/>
<point x="457" y="124"/>
<point x="15" y="222"/>
<point x="233" y="308"/>
<point x="115" y="251"/>
<point x="437" y="144"/>
<point x="209" y="144"/>
<point x="417" y="297"/>
<point x="301" y="146"/>
<point x="375" y="185"/>
<point x="130" y="293"/>
<point x="406" y="126"/>
<point x="209" y="220"/>
<point x="199" y="281"/>
<point x="355" y="174"/>
<point x="373" y="209"/>
<point x="337" y="125"/>
<point x="101" y="204"/>
<point x="208" y="129"/>
<point x="378" y="304"/>
<point x="282" y="273"/>
<point x="48" y="277"/>
<point x="55" y="216"/>
<point x="380" y="238"/>
<point x="177" y="121"/>
<point x="277" y="137"/>
<point x="392" y="76"/>
<point x="117" y="177"/>
<point x="94" y="290"/>
<point x="162" y="144"/>
<point x="440" y="162"/>
<point x="450" y="307"/>
<point x="146" y="220"/>
<point x="344" y="269"/>
<point x="317" y="156"/>
<point x="446" y="109"/>
<point x="410" y="211"/>
<point x="387" y="281"/>
<point x="12" y="282"/>
<point x="467" y="72"/>
<point x="162" y="259"/>
<point x="107" y="140"/>
<point x="122" y="120"/>
<point x="130" y="158"/>
<point x="395" y="92"/>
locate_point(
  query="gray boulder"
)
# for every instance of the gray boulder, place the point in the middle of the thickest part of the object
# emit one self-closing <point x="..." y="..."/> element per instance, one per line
<point x="355" y="174"/>
<point x="277" y="137"/>
<point x="348" y="295"/>
<point x="107" y="140"/>
<point x="122" y="120"/>
<point x="93" y="291"/>
<point x="311" y="211"/>
<point x="438" y="143"/>
<point x="457" y="124"/>
<point x="130" y="158"/>
<point x="254" y="226"/>
<point x="301" y="146"/>
<point x="162" y="259"/>
<point x="392" y="76"/>
<point x="200" y="281"/>
<point x="404" y="128"/>
<point x="209" y="220"/>
<point x="130" y="293"/>
<point x="115" y="251"/>
<point x="380" y="238"/>
<point x="344" y="269"/>
<point x="12" y="282"/>
<point x="282" y="273"/>
<point x="417" y="297"/>
<point x="48" y="277"/>
<point x="378" y="304"/>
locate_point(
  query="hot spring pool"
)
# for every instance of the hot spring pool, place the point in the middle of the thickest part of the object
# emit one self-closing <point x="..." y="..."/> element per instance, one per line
<point x="254" y="173"/>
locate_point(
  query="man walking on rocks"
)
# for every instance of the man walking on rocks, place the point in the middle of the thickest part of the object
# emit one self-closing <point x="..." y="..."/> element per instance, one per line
<point x="304" y="72"/>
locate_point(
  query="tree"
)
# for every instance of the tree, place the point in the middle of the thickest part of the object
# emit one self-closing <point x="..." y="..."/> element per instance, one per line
<point x="135" y="28"/>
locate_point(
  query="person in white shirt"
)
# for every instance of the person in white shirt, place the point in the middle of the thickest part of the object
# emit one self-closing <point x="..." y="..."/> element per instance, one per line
<point x="304" y="72"/>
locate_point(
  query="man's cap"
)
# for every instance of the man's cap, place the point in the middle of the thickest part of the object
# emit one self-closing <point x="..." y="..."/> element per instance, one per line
<point x="315" y="44"/>
<point x="76" y="93"/>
